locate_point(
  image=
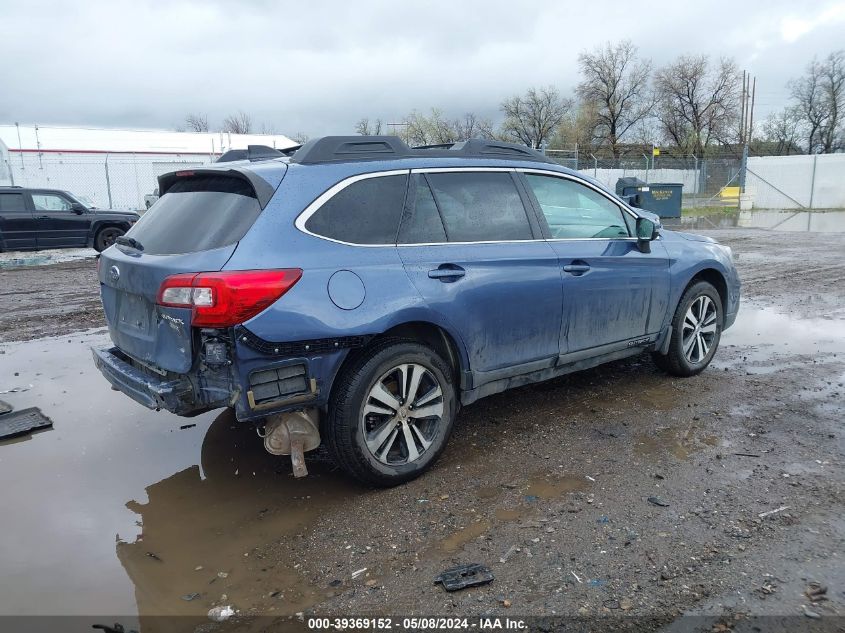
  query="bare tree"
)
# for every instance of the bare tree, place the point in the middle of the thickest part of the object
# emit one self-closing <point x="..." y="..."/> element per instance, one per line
<point x="473" y="126"/>
<point x="268" y="128"/>
<point x="300" y="137"/>
<point x="782" y="131"/>
<point x="698" y="102"/>
<point x="420" y="129"/>
<point x="820" y="98"/>
<point x="577" y="127"/>
<point x="532" y="118"/>
<point x="833" y="74"/>
<point x="364" y="128"/>
<point x="616" y="85"/>
<point x="195" y="122"/>
<point x="238" y="123"/>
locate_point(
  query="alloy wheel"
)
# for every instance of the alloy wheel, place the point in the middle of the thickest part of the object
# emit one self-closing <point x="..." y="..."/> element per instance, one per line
<point x="699" y="329"/>
<point x="403" y="412"/>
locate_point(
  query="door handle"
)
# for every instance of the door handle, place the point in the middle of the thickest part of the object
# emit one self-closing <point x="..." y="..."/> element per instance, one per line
<point x="576" y="269"/>
<point x="42" y="217"/>
<point x="447" y="273"/>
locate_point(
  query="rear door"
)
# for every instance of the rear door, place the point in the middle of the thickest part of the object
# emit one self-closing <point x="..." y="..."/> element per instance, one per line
<point x="613" y="293"/>
<point x="194" y="227"/>
<point x="17" y="223"/>
<point x="58" y="225"/>
<point x="474" y="254"/>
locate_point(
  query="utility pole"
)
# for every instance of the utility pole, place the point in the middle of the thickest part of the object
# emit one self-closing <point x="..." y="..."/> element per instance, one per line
<point x="396" y="125"/>
<point x="742" y="112"/>
<point x="749" y="90"/>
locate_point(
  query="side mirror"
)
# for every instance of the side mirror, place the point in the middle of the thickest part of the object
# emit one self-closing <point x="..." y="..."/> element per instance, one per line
<point x="646" y="232"/>
<point x="77" y="208"/>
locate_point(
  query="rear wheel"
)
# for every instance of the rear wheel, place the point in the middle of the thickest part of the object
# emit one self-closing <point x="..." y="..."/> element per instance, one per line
<point x="391" y="413"/>
<point x="696" y="330"/>
<point x="106" y="236"/>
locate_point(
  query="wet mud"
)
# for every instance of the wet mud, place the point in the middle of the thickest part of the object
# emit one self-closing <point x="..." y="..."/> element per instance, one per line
<point x="118" y="510"/>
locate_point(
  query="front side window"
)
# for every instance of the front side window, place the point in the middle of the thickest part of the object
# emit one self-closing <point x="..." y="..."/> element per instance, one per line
<point x="480" y="206"/>
<point x="364" y="212"/>
<point x="50" y="202"/>
<point x="573" y="210"/>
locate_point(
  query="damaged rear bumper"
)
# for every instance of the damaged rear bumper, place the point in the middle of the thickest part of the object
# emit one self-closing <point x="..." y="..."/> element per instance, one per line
<point x="174" y="395"/>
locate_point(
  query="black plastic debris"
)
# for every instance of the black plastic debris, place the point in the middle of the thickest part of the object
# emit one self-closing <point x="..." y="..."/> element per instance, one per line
<point x="117" y="628"/>
<point x="14" y="423"/>
<point x="658" y="502"/>
<point x="464" y="576"/>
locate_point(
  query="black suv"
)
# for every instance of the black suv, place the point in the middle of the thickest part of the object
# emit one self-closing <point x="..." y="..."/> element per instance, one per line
<point x="35" y="219"/>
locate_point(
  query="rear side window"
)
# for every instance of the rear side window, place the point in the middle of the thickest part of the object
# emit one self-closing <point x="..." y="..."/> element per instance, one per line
<point x="480" y="206"/>
<point x="365" y="212"/>
<point x="421" y="223"/>
<point x="198" y="213"/>
<point x="12" y="202"/>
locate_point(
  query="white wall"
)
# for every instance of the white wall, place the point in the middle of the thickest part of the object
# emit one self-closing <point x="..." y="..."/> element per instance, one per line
<point x="793" y="182"/>
<point x="130" y="176"/>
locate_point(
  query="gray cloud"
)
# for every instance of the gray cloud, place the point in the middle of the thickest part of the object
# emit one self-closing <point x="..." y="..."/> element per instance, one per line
<point x="319" y="67"/>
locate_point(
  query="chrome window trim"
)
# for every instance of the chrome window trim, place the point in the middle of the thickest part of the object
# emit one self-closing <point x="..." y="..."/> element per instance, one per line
<point x="332" y="191"/>
<point x="589" y="185"/>
<point x="440" y="170"/>
<point x="314" y="206"/>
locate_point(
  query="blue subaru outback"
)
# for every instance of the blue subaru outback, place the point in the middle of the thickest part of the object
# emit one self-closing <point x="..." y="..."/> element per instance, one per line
<point x="357" y="292"/>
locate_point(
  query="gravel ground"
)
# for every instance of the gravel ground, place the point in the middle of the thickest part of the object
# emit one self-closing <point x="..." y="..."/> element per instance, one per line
<point x="616" y="492"/>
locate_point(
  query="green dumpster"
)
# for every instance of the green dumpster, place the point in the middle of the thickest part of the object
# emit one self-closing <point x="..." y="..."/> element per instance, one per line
<point x="662" y="198"/>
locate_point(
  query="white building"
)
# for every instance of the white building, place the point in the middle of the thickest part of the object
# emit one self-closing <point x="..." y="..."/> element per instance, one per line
<point x="111" y="167"/>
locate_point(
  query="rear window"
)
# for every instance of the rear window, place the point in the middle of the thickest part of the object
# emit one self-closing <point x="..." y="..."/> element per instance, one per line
<point x="198" y="213"/>
<point x="12" y="202"/>
<point x="365" y="212"/>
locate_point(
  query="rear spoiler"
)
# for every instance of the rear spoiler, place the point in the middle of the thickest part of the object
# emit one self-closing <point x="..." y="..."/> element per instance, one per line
<point x="263" y="189"/>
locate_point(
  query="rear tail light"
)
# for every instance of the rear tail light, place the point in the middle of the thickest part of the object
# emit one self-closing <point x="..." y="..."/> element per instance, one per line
<point x="226" y="298"/>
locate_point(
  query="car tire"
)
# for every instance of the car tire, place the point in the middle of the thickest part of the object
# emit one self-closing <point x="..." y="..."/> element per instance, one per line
<point x="369" y="422"/>
<point x="695" y="337"/>
<point x="106" y="236"/>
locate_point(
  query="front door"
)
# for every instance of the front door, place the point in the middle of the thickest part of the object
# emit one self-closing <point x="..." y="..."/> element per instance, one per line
<point x="17" y="224"/>
<point x="59" y="226"/>
<point x="469" y="247"/>
<point x="613" y="294"/>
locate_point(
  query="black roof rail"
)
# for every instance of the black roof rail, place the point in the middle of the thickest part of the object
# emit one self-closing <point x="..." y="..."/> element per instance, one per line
<point x="335" y="149"/>
<point x="330" y="149"/>
<point x="435" y="146"/>
<point x="255" y="152"/>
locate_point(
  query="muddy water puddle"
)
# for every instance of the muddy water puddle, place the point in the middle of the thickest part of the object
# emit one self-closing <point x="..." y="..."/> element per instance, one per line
<point x="543" y="487"/>
<point x="672" y="441"/>
<point x="800" y="221"/>
<point x="770" y="339"/>
<point x="114" y="510"/>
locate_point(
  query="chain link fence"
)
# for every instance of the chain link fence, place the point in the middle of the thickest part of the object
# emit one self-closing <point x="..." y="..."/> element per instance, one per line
<point x="122" y="181"/>
<point x="708" y="182"/>
<point x="114" y="181"/>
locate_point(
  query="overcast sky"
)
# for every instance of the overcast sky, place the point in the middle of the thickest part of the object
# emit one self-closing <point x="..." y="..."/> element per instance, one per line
<point x="317" y="66"/>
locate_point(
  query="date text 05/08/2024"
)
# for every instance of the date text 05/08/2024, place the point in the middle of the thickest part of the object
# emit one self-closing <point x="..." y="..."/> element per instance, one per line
<point x="418" y="624"/>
